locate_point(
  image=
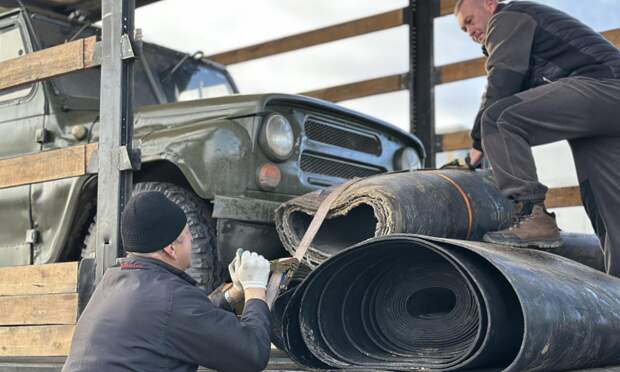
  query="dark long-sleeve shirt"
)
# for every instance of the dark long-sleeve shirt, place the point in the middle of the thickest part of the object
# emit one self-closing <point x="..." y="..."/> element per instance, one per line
<point x="149" y="316"/>
<point x="529" y="44"/>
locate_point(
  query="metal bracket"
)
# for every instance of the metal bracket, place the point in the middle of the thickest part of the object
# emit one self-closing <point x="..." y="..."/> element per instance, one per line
<point x="126" y="161"/>
<point x="32" y="236"/>
<point x="404" y="80"/>
<point x="93" y="164"/>
<point x="126" y="50"/>
<point x="43" y="135"/>
<point x="284" y="264"/>
<point x="129" y="161"/>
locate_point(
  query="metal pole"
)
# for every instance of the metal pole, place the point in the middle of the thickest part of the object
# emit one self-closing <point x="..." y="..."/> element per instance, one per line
<point x="116" y="111"/>
<point x="421" y="15"/>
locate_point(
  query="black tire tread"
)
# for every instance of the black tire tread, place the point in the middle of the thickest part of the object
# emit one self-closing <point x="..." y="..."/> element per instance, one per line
<point x="206" y="268"/>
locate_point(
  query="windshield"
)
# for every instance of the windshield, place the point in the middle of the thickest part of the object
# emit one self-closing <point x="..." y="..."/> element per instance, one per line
<point x="176" y="76"/>
<point x="184" y="78"/>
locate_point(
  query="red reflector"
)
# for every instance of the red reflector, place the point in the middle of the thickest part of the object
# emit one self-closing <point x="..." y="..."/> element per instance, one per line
<point x="269" y="176"/>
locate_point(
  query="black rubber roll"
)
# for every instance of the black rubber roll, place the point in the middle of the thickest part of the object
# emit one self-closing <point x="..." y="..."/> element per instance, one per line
<point x="407" y="302"/>
<point x="455" y="204"/>
<point x="458" y="204"/>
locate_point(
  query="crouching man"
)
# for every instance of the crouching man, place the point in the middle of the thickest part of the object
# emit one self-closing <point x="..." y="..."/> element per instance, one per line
<point x="149" y="315"/>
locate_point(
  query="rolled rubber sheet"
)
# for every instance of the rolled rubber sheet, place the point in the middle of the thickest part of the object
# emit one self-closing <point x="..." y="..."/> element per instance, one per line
<point x="413" y="302"/>
<point x="457" y="204"/>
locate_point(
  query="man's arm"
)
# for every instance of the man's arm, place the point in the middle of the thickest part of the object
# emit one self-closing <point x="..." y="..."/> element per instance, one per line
<point x="509" y="41"/>
<point x="226" y="297"/>
<point x="201" y="333"/>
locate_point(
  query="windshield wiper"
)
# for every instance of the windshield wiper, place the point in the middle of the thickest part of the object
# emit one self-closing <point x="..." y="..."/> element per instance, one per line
<point x="196" y="56"/>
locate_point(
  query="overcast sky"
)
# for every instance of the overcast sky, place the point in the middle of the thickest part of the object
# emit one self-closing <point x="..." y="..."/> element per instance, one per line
<point x="218" y="26"/>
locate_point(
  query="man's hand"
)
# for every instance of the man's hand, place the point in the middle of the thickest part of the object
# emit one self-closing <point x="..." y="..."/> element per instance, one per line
<point x="253" y="274"/>
<point x="233" y="270"/>
<point x="475" y="158"/>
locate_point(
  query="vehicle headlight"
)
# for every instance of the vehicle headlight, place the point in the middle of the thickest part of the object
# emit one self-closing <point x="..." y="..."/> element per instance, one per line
<point x="277" y="138"/>
<point x="407" y="158"/>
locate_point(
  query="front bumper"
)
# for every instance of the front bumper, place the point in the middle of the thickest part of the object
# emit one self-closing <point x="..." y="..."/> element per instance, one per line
<point x="246" y="223"/>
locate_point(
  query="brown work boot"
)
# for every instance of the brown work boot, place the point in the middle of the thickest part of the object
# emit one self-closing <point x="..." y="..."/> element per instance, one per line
<point x="533" y="227"/>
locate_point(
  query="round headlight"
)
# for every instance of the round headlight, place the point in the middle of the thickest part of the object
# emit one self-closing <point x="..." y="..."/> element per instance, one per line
<point x="277" y="137"/>
<point x="407" y="158"/>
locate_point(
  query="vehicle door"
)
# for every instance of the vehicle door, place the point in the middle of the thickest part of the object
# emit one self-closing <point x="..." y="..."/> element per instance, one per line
<point x="21" y="121"/>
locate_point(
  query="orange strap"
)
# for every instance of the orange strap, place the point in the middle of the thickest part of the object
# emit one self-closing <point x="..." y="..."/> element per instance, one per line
<point x="470" y="210"/>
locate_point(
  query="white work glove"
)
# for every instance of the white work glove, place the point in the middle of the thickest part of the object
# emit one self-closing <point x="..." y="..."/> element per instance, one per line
<point x="253" y="271"/>
<point x="233" y="270"/>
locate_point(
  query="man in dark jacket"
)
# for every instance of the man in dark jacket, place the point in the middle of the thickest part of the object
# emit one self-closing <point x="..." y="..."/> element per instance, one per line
<point x="149" y="315"/>
<point x="549" y="78"/>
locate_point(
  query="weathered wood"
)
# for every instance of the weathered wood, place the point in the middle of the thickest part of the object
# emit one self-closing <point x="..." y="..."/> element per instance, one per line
<point x="460" y="71"/>
<point x="563" y="197"/>
<point x="324" y="35"/>
<point x="39" y="279"/>
<point x="445" y="74"/>
<point x="36" y="341"/>
<point x="613" y="36"/>
<point x="475" y="67"/>
<point x="46" y="166"/>
<point x="460" y="140"/>
<point x="38" y="309"/>
<point x="446" y="7"/>
<point x="51" y="62"/>
<point x="365" y="88"/>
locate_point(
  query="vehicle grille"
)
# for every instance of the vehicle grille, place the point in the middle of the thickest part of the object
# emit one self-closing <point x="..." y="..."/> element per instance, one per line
<point x="334" y="168"/>
<point x="321" y="130"/>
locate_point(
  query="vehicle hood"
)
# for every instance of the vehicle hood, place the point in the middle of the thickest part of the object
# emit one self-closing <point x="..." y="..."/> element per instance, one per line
<point x="243" y="105"/>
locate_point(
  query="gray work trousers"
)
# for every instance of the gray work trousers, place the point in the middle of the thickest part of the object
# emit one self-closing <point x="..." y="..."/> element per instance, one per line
<point x="582" y="110"/>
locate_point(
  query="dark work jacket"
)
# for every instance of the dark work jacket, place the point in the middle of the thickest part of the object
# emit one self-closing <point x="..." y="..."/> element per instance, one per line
<point x="530" y="44"/>
<point x="148" y="316"/>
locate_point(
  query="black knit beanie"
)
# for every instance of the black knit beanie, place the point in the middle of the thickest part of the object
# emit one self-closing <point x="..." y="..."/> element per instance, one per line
<point x="150" y="222"/>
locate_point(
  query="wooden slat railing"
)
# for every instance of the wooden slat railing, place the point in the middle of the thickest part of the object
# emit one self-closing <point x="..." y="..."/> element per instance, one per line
<point x="446" y="7"/>
<point x="46" y="166"/>
<point x="48" y="63"/>
<point x="364" y="88"/>
<point x="39" y="304"/>
<point x="324" y="35"/>
<point x="387" y="84"/>
<point x="563" y="197"/>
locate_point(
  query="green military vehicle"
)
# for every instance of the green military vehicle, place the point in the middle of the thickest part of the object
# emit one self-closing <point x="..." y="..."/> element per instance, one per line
<point x="228" y="159"/>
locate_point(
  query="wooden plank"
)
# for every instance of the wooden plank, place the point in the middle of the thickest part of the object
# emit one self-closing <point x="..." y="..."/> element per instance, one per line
<point x="462" y="70"/>
<point x="360" y="89"/>
<point x="563" y="197"/>
<point x="43" y="166"/>
<point x="36" y="341"/>
<point x="47" y="63"/>
<point x="613" y="36"/>
<point x="460" y="140"/>
<point x="324" y="35"/>
<point x="39" y="309"/>
<point x="475" y="67"/>
<point x="446" y="7"/>
<point x="446" y="74"/>
<point x="39" y="279"/>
